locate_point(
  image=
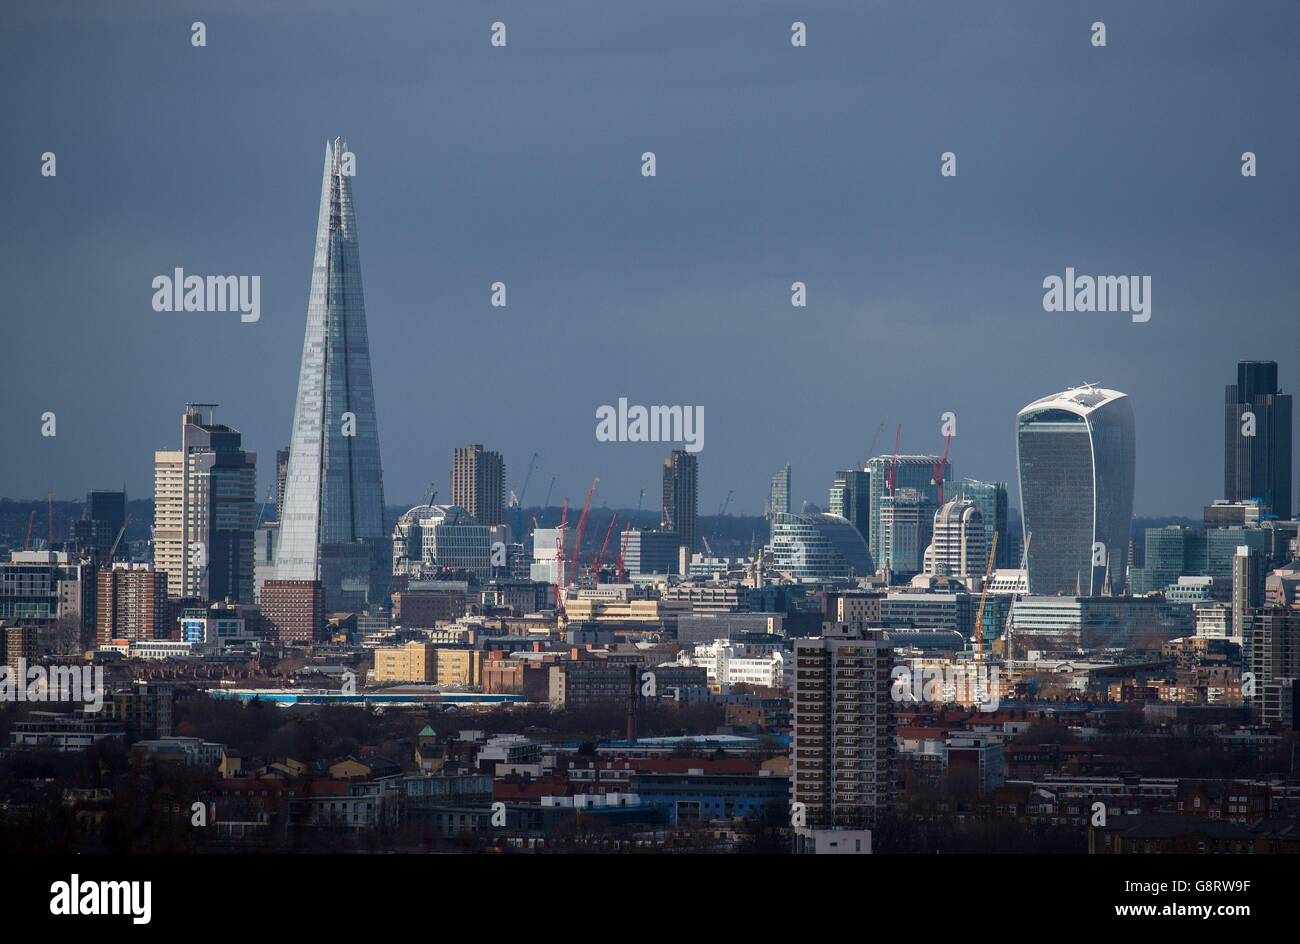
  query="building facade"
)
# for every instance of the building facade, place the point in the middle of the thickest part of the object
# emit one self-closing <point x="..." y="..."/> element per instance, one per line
<point x="914" y="472"/>
<point x="1257" y="439"/>
<point x="478" y="483"/>
<point x="332" y="526"/>
<point x="843" y="762"/>
<point x="681" y="489"/>
<point x="817" y="547"/>
<point x="205" y="511"/>
<point x="1076" y="454"/>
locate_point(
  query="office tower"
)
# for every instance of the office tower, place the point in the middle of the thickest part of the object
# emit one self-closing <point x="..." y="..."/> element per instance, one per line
<point x="903" y="527"/>
<point x="205" y="511"/>
<point x="916" y="472"/>
<point x="681" y="498"/>
<point x="281" y="473"/>
<point x="957" y="547"/>
<point x="649" y="552"/>
<point x="778" y="496"/>
<point x="452" y="540"/>
<point x="1076" y="455"/>
<point x="991" y="500"/>
<point x="1226" y="514"/>
<point x="1273" y="656"/>
<point x="131" y="604"/>
<point x="293" y="611"/>
<point x="1257" y="439"/>
<point x="1247" y="589"/>
<point x="478" y="483"/>
<point x="408" y="542"/>
<point x="817" y="547"/>
<point x="1176" y="551"/>
<point x="552" y="550"/>
<point x="850" y="497"/>
<point x="332" y="528"/>
<point x="100" y="523"/>
<point x="843" y="767"/>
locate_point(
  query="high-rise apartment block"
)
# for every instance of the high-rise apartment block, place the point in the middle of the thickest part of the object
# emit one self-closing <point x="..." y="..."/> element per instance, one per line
<point x="205" y="511"/>
<point x="1247" y="589"/>
<point x="478" y="483"/>
<point x="131" y="604"/>
<point x="843" y="769"/>
<point x="681" y="498"/>
<point x="1273" y="656"/>
<point x="293" y="611"/>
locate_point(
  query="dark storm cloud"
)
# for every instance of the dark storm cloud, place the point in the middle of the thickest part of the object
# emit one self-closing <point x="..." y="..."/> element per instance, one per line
<point x="775" y="164"/>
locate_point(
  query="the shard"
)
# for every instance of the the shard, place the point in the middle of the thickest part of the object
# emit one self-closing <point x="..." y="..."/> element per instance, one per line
<point x="332" y="527"/>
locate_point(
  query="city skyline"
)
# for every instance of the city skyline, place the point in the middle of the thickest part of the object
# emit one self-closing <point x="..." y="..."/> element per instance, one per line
<point x="471" y="191"/>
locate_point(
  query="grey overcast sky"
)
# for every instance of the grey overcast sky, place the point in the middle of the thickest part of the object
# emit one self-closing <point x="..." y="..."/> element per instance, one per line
<point x="522" y="164"/>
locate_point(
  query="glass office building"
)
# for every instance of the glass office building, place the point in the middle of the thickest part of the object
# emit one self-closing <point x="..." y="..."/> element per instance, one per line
<point x="991" y="500"/>
<point x="1076" y="455"/>
<point x="1257" y="439"/>
<point x="850" y="497"/>
<point x="909" y="472"/>
<point x="333" y="522"/>
<point x="817" y="547"/>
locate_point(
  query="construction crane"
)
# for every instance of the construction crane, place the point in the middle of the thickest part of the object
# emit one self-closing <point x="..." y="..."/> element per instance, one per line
<point x="27" y="539"/>
<point x="582" y="527"/>
<point x="433" y="493"/>
<point x="519" y="502"/>
<point x="595" y="568"/>
<point x="722" y="510"/>
<point x="125" y="521"/>
<point x="49" y="519"/>
<point x="937" y="473"/>
<point x="872" y="451"/>
<point x="559" y="561"/>
<point x="893" y="464"/>
<point x="984" y="596"/>
<point x="262" y="514"/>
<point x="547" y="504"/>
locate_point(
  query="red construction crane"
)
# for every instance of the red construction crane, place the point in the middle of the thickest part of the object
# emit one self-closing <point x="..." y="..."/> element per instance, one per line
<point x="936" y="477"/>
<point x="582" y="527"/>
<point x="27" y="539"/>
<point x="595" y="568"/>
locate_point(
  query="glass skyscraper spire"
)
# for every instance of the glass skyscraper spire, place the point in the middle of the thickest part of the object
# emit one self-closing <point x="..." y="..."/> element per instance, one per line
<point x="332" y="527"/>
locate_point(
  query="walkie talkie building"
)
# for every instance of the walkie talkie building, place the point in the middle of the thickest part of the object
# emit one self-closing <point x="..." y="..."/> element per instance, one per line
<point x="332" y="528"/>
<point x="1076" y="455"/>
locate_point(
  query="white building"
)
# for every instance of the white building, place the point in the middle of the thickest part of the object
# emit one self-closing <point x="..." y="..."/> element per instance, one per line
<point x="727" y="664"/>
<point x="958" y="547"/>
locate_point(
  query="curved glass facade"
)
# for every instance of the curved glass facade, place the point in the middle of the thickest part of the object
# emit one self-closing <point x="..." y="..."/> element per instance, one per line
<point x="818" y="547"/>
<point x="1076" y="454"/>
